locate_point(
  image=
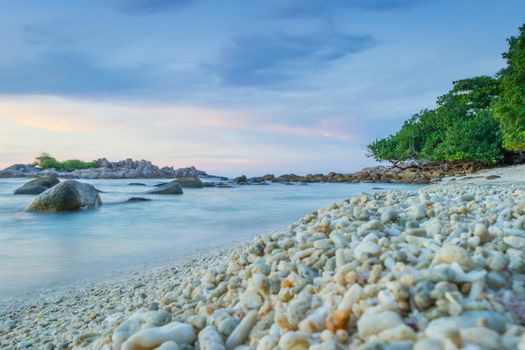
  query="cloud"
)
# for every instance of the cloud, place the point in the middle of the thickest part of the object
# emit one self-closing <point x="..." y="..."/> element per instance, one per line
<point x="148" y="7"/>
<point x="65" y="73"/>
<point x="306" y="8"/>
<point x="266" y="59"/>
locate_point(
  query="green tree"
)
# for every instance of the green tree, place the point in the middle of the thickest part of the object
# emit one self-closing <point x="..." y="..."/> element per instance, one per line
<point x="46" y="161"/>
<point x="510" y="108"/>
<point x="460" y="128"/>
<point x="42" y="159"/>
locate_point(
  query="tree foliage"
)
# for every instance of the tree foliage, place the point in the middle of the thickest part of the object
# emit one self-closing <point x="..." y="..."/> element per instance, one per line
<point x="46" y="161"/>
<point x="510" y="108"/>
<point x="482" y="119"/>
<point x="460" y="129"/>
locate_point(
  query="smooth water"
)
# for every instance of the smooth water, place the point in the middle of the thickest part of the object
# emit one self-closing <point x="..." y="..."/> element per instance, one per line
<point x="40" y="250"/>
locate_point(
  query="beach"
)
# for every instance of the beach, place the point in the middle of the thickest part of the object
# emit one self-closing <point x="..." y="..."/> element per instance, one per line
<point x="437" y="268"/>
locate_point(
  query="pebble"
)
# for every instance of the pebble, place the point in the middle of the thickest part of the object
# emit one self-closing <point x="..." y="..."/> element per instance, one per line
<point x="515" y="241"/>
<point x="210" y="339"/>
<point x="240" y="334"/>
<point x="294" y="341"/>
<point x="151" y="337"/>
<point x="371" y="323"/>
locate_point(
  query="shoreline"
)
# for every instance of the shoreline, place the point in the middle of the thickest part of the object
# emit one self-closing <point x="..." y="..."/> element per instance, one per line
<point x="89" y="317"/>
<point x="134" y="169"/>
<point x="43" y="294"/>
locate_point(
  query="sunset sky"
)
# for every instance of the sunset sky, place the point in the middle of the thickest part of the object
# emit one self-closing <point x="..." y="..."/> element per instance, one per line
<point x="233" y="86"/>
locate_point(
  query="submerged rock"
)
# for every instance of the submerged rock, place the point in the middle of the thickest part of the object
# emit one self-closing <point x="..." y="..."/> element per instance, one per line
<point x="172" y="187"/>
<point x="38" y="185"/>
<point x="137" y="199"/>
<point x="136" y="184"/>
<point x="190" y="181"/>
<point x="68" y="195"/>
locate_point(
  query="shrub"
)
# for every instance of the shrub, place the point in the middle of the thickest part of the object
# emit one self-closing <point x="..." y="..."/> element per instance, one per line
<point x="46" y="161"/>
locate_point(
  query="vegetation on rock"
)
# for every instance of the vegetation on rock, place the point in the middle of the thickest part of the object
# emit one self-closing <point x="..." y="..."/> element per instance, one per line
<point x="46" y="161"/>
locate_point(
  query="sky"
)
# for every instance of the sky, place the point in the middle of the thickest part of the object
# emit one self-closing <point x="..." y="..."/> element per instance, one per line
<point x="231" y="87"/>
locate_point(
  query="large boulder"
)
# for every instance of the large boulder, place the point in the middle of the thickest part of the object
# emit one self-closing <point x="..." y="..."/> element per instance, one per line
<point x="190" y="181"/>
<point x="38" y="185"/>
<point x="68" y="195"/>
<point x="172" y="187"/>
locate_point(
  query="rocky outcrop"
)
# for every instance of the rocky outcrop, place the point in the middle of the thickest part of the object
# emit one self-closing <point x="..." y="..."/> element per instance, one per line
<point x="243" y="180"/>
<point x="38" y="185"/>
<point x="20" y="170"/>
<point x="380" y="174"/>
<point x="124" y="169"/>
<point x="190" y="182"/>
<point x="187" y="172"/>
<point x="69" y="195"/>
<point x="172" y="187"/>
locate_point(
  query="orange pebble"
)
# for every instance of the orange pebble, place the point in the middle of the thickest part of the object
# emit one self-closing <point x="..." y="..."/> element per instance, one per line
<point x="337" y="320"/>
<point x="286" y="284"/>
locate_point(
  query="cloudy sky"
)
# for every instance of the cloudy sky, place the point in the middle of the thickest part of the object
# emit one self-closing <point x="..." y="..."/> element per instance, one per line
<point x="233" y="86"/>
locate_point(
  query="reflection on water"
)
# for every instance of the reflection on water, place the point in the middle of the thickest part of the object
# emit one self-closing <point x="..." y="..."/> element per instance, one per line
<point x="46" y="249"/>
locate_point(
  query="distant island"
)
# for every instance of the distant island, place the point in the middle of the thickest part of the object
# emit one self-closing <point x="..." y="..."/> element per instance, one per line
<point x="46" y="165"/>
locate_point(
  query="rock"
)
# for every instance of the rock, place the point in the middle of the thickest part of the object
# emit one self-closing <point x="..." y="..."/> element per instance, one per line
<point x="172" y="187"/>
<point x="492" y="177"/>
<point x="20" y="170"/>
<point x="481" y="336"/>
<point x="190" y="171"/>
<point x="467" y="197"/>
<point x="223" y="185"/>
<point x="136" y="184"/>
<point x="240" y="180"/>
<point x="268" y="177"/>
<point x="418" y="212"/>
<point x="371" y="324"/>
<point x="294" y="341"/>
<point x="428" y="344"/>
<point x="441" y="326"/>
<point x="190" y="181"/>
<point x="68" y="195"/>
<point x="389" y="215"/>
<point x="149" y="338"/>
<point x="450" y="254"/>
<point x="138" y="199"/>
<point x="337" y="320"/>
<point x="515" y="241"/>
<point x="169" y="345"/>
<point x="241" y="332"/>
<point x="365" y="250"/>
<point x="125" y="330"/>
<point x="104" y="169"/>
<point x="38" y="185"/>
<point x="210" y="339"/>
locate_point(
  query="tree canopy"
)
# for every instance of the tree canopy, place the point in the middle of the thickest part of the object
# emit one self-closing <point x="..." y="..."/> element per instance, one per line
<point x="460" y="128"/>
<point x="510" y="108"/>
<point x="481" y="119"/>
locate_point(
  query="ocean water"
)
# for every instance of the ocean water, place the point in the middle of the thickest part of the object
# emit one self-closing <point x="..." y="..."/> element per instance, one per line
<point x="44" y="250"/>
